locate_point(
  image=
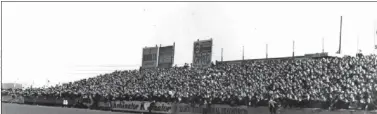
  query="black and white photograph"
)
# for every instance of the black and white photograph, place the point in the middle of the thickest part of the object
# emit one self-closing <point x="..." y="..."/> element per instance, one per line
<point x="188" y="57"/>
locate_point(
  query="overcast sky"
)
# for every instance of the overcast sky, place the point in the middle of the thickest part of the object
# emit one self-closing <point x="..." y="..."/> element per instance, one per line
<point x="63" y="42"/>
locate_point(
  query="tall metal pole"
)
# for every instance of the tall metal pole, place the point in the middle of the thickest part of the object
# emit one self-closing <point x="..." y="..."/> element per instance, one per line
<point x="14" y="85"/>
<point x="243" y="53"/>
<point x="375" y="34"/>
<point x="221" y="54"/>
<point x="142" y="57"/>
<point x="32" y="85"/>
<point x="340" y="35"/>
<point x="323" y="45"/>
<point x="293" y="49"/>
<point x="266" y="51"/>
<point x="172" y="58"/>
<point x="157" y="55"/>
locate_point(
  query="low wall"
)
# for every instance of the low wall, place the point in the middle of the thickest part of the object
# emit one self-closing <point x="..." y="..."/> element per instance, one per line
<point x="174" y="108"/>
<point x="180" y="108"/>
<point x="8" y="108"/>
<point x="6" y="98"/>
<point x="15" y="99"/>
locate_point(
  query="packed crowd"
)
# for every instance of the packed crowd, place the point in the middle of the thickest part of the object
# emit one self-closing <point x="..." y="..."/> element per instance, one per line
<point x="319" y="83"/>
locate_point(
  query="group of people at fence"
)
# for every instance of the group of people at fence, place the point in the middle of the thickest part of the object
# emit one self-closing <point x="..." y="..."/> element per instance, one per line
<point x="339" y="83"/>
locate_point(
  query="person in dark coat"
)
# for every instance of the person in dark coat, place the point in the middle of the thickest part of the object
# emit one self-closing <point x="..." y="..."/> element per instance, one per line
<point x="151" y="106"/>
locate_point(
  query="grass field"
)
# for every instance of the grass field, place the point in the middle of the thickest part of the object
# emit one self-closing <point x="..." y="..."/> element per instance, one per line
<point x="8" y="108"/>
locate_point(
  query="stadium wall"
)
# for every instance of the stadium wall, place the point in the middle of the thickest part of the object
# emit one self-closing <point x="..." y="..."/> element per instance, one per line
<point x="180" y="108"/>
<point x="12" y="99"/>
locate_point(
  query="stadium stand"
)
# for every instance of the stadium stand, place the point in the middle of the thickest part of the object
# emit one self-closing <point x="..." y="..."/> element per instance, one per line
<point x="335" y="83"/>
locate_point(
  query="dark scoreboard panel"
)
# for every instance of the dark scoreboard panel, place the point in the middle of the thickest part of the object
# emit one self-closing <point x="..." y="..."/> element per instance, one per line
<point x="166" y="56"/>
<point x="202" y="53"/>
<point x="149" y="57"/>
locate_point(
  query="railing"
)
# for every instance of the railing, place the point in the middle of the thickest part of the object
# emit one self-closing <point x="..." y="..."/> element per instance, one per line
<point x="172" y="108"/>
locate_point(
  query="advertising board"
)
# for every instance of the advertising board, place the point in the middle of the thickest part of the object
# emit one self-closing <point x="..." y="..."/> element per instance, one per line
<point x="213" y="109"/>
<point x="140" y="106"/>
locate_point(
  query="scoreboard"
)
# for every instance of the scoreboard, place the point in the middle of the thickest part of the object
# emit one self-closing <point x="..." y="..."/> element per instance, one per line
<point x="166" y="56"/>
<point x="202" y="53"/>
<point x="149" y="57"/>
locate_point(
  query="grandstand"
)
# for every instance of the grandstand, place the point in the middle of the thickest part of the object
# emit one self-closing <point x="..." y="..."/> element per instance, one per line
<point x="328" y="82"/>
<point x="106" y="36"/>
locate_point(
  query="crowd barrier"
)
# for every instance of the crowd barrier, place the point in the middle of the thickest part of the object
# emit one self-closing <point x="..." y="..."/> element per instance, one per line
<point x="178" y="108"/>
<point x="47" y="101"/>
<point x="6" y="98"/>
<point x="104" y="105"/>
<point x="12" y="99"/>
<point x="212" y="109"/>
